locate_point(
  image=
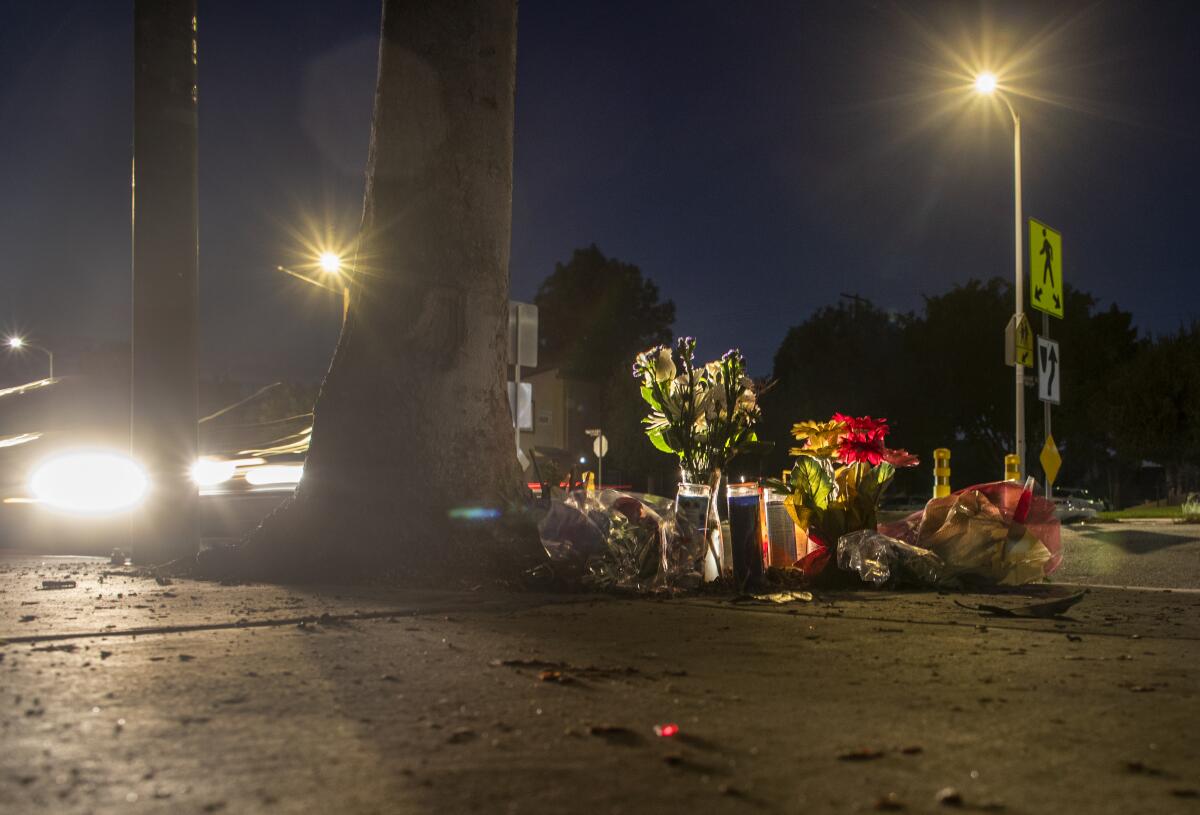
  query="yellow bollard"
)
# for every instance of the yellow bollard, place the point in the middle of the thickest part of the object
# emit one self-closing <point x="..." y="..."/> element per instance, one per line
<point x="589" y="481"/>
<point x="1012" y="467"/>
<point x="941" y="472"/>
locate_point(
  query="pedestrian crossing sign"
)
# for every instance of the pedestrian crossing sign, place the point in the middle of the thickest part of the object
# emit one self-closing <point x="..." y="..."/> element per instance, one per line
<point x="1018" y="341"/>
<point x="1045" y="269"/>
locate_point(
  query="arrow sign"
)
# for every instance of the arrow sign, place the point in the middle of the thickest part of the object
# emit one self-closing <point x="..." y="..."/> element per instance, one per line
<point x="1049" y="376"/>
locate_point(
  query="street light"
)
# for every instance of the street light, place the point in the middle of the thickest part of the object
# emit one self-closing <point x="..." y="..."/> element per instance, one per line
<point x="17" y="343"/>
<point x="329" y="263"/>
<point x="986" y="84"/>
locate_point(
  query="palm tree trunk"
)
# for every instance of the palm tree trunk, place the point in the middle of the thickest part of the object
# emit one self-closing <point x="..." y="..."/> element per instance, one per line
<point x="412" y="421"/>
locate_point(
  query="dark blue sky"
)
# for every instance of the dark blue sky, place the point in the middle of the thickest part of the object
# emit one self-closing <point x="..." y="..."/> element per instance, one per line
<point x="754" y="159"/>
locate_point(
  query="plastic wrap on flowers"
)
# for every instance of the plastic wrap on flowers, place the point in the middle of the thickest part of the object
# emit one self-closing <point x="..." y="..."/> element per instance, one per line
<point x="884" y="561"/>
<point x="999" y="532"/>
<point x="608" y="539"/>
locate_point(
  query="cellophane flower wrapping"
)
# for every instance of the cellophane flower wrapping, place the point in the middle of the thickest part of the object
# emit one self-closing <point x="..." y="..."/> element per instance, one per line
<point x="616" y="540"/>
<point x="975" y="535"/>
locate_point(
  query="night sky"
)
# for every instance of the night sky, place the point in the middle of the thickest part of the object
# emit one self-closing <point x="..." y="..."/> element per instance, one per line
<point x="754" y="159"/>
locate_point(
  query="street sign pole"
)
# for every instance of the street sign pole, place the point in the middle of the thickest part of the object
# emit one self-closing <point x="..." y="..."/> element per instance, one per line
<point x="1047" y="295"/>
<point x="600" y="448"/>
<point x="1046" y="405"/>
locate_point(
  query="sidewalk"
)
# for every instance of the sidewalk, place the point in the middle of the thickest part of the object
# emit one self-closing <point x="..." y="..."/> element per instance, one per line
<point x="125" y="695"/>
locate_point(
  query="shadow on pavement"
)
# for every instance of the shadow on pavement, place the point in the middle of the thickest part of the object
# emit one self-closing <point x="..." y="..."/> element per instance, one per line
<point x="1139" y="542"/>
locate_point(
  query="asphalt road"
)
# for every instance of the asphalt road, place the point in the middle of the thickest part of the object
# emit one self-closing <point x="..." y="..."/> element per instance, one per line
<point x="1143" y="554"/>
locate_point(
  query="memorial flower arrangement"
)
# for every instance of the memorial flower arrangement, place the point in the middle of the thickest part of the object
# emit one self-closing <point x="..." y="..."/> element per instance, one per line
<point x="705" y="414"/>
<point x="841" y="471"/>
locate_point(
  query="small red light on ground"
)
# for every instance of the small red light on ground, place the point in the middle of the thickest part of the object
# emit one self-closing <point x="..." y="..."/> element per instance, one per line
<point x="666" y="730"/>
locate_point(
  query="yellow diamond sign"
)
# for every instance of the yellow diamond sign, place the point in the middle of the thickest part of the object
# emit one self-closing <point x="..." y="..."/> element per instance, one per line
<point x="1050" y="459"/>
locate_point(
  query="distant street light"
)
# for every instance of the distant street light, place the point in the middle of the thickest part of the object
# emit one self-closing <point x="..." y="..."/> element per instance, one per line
<point x="17" y="343"/>
<point x="986" y="84"/>
<point x="329" y="263"/>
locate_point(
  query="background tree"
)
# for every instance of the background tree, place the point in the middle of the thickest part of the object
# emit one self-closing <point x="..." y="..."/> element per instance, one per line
<point x="595" y="313"/>
<point x="940" y="377"/>
<point x="1152" y="408"/>
<point x="842" y="358"/>
<point x="960" y="392"/>
<point x="412" y="419"/>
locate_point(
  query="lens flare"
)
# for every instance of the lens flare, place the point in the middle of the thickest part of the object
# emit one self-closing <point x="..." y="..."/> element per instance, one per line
<point x="474" y="514"/>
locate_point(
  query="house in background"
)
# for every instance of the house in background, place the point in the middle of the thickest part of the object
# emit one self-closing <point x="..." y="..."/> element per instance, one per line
<point x="559" y="412"/>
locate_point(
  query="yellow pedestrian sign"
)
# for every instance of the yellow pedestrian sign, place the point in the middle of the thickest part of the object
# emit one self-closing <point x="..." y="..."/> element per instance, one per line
<point x="1050" y="459"/>
<point x="1018" y="341"/>
<point x="1045" y="269"/>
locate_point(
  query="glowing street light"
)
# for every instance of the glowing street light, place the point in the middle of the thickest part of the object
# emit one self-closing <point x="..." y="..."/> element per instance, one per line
<point x="17" y="343"/>
<point x="986" y="84"/>
<point x="330" y="263"/>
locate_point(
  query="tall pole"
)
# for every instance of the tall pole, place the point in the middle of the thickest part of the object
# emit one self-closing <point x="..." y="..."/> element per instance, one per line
<point x="1020" y="283"/>
<point x="163" y="423"/>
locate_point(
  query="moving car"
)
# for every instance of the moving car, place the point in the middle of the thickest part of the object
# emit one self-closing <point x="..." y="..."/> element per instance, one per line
<point x="68" y="480"/>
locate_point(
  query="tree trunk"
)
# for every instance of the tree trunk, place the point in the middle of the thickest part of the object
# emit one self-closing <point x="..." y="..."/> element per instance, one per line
<point x="412" y="421"/>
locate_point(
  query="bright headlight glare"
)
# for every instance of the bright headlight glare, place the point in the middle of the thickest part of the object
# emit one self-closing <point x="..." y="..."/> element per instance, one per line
<point x="209" y="472"/>
<point x="89" y="482"/>
<point x="274" y="474"/>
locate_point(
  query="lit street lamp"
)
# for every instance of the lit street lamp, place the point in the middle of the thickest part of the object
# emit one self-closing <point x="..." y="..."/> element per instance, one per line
<point x="17" y="343"/>
<point x="331" y="264"/>
<point x="987" y="85"/>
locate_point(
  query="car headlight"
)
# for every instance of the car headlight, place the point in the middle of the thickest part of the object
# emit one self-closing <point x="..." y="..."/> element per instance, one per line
<point x="209" y="472"/>
<point x="275" y="475"/>
<point x="89" y="482"/>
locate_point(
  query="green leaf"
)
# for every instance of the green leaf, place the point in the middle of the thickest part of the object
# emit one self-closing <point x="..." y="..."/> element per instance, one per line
<point x="874" y="480"/>
<point x="811" y="480"/>
<point x="656" y="438"/>
<point x="648" y="394"/>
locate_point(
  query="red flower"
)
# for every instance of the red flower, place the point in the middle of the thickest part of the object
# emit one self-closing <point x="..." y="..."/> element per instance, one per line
<point x="863" y="424"/>
<point x="900" y="458"/>
<point x="865" y="447"/>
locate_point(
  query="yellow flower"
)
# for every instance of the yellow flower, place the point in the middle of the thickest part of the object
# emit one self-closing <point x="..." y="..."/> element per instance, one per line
<point x="820" y="438"/>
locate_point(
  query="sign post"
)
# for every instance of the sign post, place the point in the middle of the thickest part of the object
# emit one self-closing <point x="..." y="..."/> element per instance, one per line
<point x="1046" y="295"/>
<point x="522" y="350"/>
<point x="600" y="448"/>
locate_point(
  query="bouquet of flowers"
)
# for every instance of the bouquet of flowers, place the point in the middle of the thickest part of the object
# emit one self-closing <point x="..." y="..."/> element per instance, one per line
<point x="841" y="471"/>
<point x="705" y="415"/>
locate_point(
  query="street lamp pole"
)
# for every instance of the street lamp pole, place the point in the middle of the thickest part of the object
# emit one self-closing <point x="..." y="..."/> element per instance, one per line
<point x="985" y="83"/>
<point x="17" y="342"/>
<point x="1019" y="279"/>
